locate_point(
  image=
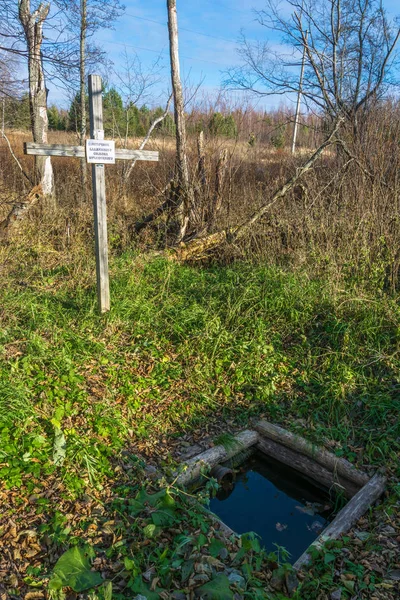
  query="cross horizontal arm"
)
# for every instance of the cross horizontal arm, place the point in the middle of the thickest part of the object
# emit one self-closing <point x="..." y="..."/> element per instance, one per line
<point x="79" y="152"/>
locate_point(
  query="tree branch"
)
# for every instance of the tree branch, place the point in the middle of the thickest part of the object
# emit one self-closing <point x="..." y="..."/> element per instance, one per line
<point x="197" y="248"/>
<point x="148" y="135"/>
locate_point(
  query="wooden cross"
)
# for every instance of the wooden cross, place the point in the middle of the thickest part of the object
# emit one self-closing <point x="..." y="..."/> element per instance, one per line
<point x="98" y="152"/>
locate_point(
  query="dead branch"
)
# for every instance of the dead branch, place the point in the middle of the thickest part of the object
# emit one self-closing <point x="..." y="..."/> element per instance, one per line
<point x="18" y="211"/>
<point x="198" y="247"/>
<point x="4" y="136"/>
<point x="148" y="135"/>
<point x="201" y="164"/>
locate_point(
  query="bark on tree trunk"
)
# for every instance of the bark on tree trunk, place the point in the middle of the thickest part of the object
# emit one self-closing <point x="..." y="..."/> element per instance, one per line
<point x="185" y="194"/>
<point x="219" y="185"/>
<point x="201" y="165"/>
<point x="33" y="28"/>
<point x="82" y="72"/>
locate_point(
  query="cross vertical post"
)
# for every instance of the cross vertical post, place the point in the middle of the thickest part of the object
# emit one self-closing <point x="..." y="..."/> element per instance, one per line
<point x="99" y="196"/>
<point x="98" y="152"/>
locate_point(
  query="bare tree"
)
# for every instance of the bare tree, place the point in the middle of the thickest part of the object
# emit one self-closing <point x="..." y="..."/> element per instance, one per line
<point x="183" y="190"/>
<point x="349" y="50"/>
<point x="135" y="85"/>
<point x="23" y="26"/>
<point x="84" y="18"/>
<point x="82" y="90"/>
<point x="32" y="22"/>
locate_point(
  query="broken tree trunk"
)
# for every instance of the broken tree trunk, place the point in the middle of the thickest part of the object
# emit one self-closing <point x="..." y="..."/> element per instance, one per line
<point x="185" y="193"/>
<point x="201" y="164"/>
<point x="219" y="186"/>
<point x="197" y="248"/>
<point x="18" y="211"/>
<point x="33" y="28"/>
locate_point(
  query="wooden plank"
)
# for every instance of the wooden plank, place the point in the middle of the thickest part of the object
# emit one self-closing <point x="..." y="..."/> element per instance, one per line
<point x="80" y="152"/>
<point x="127" y="154"/>
<point x="348" y="516"/>
<point x="308" y="467"/>
<point x="54" y="150"/>
<point x="99" y="196"/>
<point x="323" y="457"/>
<point x="215" y="455"/>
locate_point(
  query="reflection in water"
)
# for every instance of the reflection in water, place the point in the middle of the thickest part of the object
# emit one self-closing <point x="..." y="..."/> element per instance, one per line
<point x="276" y="502"/>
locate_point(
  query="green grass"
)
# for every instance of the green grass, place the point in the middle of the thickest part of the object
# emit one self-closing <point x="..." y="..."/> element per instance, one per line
<point x="183" y="347"/>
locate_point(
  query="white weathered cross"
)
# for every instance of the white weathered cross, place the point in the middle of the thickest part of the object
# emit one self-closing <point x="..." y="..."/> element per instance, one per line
<point x="98" y="152"/>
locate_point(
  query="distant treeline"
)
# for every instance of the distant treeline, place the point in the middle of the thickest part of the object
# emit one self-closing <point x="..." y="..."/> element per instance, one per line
<point x="123" y="120"/>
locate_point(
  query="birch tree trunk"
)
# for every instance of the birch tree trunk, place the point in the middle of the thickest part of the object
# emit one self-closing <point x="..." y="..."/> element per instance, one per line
<point x="82" y="73"/>
<point x="33" y="29"/>
<point x="184" y="192"/>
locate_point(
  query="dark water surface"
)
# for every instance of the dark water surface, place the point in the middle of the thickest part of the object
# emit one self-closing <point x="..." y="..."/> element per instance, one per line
<point x="275" y="502"/>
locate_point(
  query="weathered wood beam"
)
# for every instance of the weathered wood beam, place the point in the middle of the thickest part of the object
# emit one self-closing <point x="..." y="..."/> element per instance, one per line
<point x="79" y="152"/>
<point x="54" y="150"/>
<point x="215" y="455"/>
<point x="347" y="517"/>
<point x="307" y="467"/>
<point x="99" y="196"/>
<point x="329" y="461"/>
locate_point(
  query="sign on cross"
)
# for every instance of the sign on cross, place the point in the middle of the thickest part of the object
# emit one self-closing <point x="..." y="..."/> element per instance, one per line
<point x="98" y="152"/>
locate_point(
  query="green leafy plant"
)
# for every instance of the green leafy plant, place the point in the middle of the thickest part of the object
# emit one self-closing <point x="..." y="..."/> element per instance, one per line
<point x="73" y="570"/>
<point x="217" y="589"/>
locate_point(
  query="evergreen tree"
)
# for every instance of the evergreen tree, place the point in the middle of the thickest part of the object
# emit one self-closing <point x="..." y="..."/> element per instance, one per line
<point x="17" y="112"/>
<point x="56" y="119"/>
<point x="220" y="125"/>
<point x="74" y="113"/>
<point x="113" y="113"/>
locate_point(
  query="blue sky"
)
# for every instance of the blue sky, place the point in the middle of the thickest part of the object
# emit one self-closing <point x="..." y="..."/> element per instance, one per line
<point x="201" y="56"/>
<point x="143" y="30"/>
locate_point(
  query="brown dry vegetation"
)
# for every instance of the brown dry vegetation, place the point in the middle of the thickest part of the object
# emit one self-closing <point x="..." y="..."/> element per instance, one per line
<point x="343" y="217"/>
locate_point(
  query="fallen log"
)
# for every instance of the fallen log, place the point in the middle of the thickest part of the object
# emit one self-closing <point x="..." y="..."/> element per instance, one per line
<point x="312" y="470"/>
<point x="213" y="456"/>
<point x="339" y="466"/>
<point x="347" y="517"/>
